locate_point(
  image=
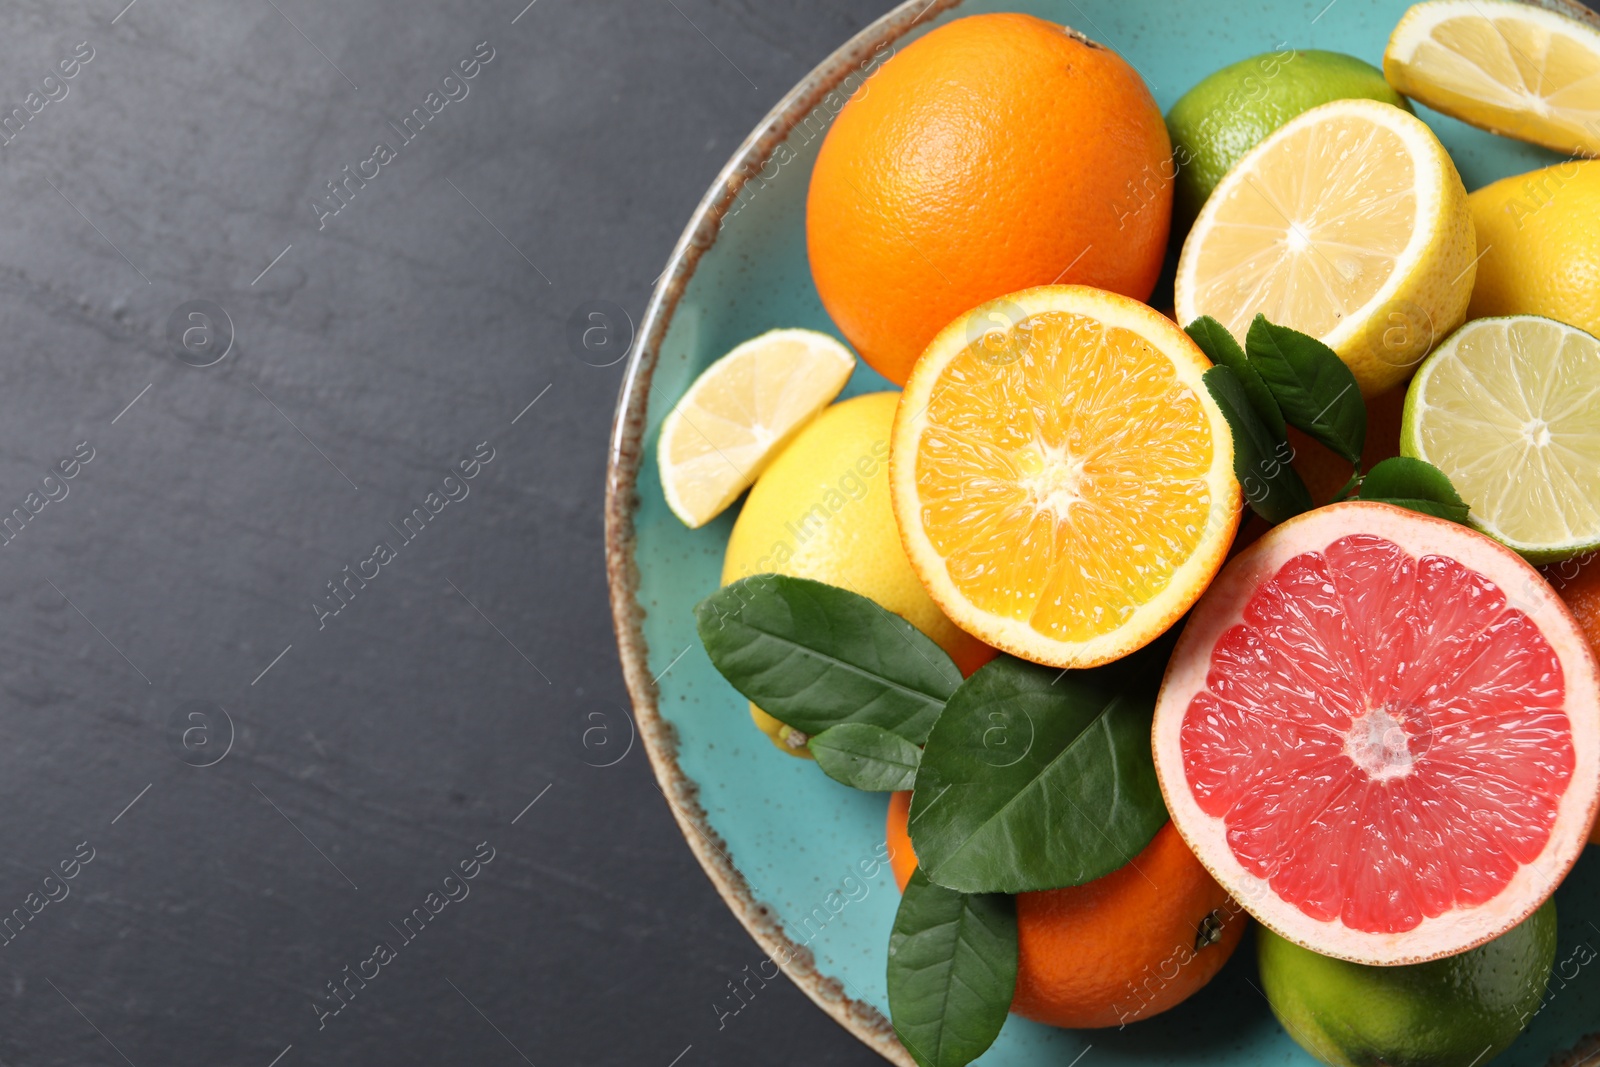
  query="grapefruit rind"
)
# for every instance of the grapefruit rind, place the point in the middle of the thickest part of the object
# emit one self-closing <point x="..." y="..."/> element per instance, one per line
<point x="1187" y="581"/>
<point x="1452" y="931"/>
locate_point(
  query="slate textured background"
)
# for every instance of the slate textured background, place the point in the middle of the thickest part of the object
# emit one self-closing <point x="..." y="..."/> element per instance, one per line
<point x="265" y="789"/>
<point x="477" y="672"/>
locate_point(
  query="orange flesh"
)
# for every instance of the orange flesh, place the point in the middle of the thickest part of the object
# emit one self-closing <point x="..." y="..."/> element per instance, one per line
<point x="1062" y="474"/>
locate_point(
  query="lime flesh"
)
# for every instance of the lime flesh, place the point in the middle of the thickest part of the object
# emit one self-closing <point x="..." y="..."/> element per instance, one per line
<point x="1458" y="1011"/>
<point x="1509" y="409"/>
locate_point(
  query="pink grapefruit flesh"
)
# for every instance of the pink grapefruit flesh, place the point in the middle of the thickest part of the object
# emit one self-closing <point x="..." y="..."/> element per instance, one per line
<point x="1380" y="732"/>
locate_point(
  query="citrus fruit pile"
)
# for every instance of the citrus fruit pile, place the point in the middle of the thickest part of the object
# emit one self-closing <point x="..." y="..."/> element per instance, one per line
<point x="1283" y="608"/>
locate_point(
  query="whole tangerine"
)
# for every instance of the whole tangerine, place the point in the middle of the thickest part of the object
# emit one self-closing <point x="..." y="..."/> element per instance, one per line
<point x="996" y="153"/>
<point x="1124" y="947"/>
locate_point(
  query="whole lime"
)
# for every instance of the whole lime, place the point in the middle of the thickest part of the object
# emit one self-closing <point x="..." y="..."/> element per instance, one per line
<point x="1453" y="1012"/>
<point x="1233" y="109"/>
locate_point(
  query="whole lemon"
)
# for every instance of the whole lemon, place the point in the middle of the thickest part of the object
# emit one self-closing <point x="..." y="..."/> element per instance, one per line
<point x="1541" y="245"/>
<point x="996" y="153"/>
<point x="822" y="511"/>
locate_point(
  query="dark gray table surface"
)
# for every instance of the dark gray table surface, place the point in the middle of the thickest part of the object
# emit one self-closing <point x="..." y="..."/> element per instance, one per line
<point x="249" y="790"/>
<point x="176" y="573"/>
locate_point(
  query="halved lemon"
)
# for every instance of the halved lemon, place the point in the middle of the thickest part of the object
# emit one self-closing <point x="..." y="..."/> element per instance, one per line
<point x="1510" y="409"/>
<point x="1348" y="223"/>
<point x="740" y="413"/>
<point x="1512" y="68"/>
<point x="1062" y="479"/>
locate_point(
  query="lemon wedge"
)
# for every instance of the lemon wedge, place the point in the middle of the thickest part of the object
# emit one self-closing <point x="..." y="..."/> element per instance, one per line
<point x="740" y="413"/>
<point x="1511" y="68"/>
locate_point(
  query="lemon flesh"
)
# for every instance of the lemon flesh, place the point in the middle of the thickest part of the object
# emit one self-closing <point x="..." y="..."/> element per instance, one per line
<point x="1511" y="68"/>
<point x="740" y="413"/>
<point x="1231" y="110"/>
<point x="1349" y="223"/>
<point x="1509" y="409"/>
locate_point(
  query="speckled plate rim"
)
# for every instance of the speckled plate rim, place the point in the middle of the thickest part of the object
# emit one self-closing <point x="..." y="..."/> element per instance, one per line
<point x="622" y="470"/>
<point x="626" y="452"/>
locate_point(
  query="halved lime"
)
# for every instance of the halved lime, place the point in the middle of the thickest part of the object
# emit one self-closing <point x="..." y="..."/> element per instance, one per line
<point x="1509" y="409"/>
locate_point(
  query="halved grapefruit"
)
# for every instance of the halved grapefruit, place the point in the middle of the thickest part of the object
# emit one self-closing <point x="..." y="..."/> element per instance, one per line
<point x="1380" y="732"/>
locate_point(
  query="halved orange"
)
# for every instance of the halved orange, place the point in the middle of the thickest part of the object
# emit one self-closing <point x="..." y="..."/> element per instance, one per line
<point x="1062" y="479"/>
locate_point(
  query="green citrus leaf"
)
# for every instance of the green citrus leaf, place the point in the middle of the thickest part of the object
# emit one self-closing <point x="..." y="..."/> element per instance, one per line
<point x="1035" y="778"/>
<point x="1222" y="349"/>
<point x="813" y="656"/>
<point x="952" y="971"/>
<point x="1313" y="387"/>
<point x="864" y="756"/>
<point x="1414" y="484"/>
<point x="1260" y="458"/>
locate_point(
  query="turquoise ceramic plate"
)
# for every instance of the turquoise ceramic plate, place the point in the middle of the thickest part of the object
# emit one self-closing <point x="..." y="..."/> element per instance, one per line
<point x="791" y="852"/>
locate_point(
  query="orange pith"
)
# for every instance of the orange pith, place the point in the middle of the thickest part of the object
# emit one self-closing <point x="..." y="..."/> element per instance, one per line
<point x="1065" y="477"/>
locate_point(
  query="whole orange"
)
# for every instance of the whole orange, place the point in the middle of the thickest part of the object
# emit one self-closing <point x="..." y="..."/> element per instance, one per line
<point x="902" y="860"/>
<point x="1578" y="582"/>
<point x="1324" y="471"/>
<point x="1121" y="948"/>
<point x="997" y="153"/>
